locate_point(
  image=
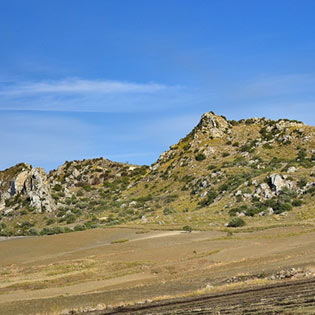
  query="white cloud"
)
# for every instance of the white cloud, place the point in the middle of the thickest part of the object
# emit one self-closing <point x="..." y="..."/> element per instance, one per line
<point x="80" y="86"/>
<point x="79" y="95"/>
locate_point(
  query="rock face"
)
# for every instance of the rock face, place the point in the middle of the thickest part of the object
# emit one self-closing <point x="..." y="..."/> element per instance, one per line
<point x="32" y="184"/>
<point x="278" y="182"/>
<point x="35" y="186"/>
<point x="212" y="124"/>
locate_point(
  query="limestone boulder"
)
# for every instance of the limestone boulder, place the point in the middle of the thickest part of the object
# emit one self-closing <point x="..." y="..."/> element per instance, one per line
<point x="277" y="182"/>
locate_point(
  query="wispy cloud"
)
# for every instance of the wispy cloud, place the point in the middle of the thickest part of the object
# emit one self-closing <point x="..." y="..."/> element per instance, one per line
<point x="79" y="86"/>
<point x="81" y="95"/>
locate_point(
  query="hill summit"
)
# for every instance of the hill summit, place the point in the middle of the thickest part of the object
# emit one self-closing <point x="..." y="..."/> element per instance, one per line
<point x="224" y="173"/>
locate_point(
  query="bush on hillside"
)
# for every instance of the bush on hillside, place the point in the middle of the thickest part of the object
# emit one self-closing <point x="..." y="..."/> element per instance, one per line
<point x="200" y="157"/>
<point x="236" y="222"/>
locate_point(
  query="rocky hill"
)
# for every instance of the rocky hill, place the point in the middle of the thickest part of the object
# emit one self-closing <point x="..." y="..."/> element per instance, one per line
<point x="224" y="173"/>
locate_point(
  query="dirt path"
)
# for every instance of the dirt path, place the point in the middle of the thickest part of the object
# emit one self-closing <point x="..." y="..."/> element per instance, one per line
<point x="161" y="234"/>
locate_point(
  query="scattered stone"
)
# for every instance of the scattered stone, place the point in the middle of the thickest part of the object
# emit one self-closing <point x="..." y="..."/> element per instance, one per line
<point x="144" y="219"/>
<point x="292" y="169"/>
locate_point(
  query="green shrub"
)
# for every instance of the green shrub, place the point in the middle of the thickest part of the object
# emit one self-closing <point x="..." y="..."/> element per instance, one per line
<point x="70" y="219"/>
<point x="87" y="187"/>
<point x="187" y="228"/>
<point x="2" y="226"/>
<point x="211" y="167"/>
<point x="50" y="221"/>
<point x="186" y="147"/>
<point x="80" y="193"/>
<point x="57" y="187"/>
<point x="209" y="199"/>
<point x="236" y="222"/>
<point x="252" y="211"/>
<point x="301" y="154"/>
<point x="80" y="227"/>
<point x="302" y="182"/>
<point x="9" y="202"/>
<point x="32" y="232"/>
<point x="297" y="203"/>
<point x="67" y="230"/>
<point x="247" y="148"/>
<point x="267" y="146"/>
<point x="51" y="231"/>
<point x="233" y="211"/>
<point x="200" y="157"/>
<point x="233" y="122"/>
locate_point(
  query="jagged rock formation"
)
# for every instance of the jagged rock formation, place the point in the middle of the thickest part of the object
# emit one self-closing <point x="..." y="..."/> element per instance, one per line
<point x="28" y="183"/>
<point x="255" y="169"/>
<point x="213" y="125"/>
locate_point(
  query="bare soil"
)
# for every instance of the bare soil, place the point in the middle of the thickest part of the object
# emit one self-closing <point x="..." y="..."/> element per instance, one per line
<point x="49" y="274"/>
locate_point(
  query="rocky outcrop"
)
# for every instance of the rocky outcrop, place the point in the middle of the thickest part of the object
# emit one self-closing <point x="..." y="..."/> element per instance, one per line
<point x="264" y="191"/>
<point x="213" y="125"/>
<point x="282" y="124"/>
<point x="30" y="183"/>
<point x="37" y="189"/>
<point x="277" y="182"/>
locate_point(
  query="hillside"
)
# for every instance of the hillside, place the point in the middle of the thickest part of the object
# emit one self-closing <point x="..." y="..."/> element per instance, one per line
<point x="254" y="173"/>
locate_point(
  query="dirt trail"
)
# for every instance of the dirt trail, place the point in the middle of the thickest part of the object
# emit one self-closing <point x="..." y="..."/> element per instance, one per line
<point x="162" y="234"/>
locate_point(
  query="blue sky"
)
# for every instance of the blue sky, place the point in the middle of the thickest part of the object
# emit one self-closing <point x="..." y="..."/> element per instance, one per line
<point x="125" y="79"/>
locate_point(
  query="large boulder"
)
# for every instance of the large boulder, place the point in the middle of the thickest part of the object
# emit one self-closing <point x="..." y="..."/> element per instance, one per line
<point x="277" y="182"/>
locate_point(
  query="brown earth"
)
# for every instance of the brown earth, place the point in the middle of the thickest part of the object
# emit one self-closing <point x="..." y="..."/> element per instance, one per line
<point x="118" y="265"/>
